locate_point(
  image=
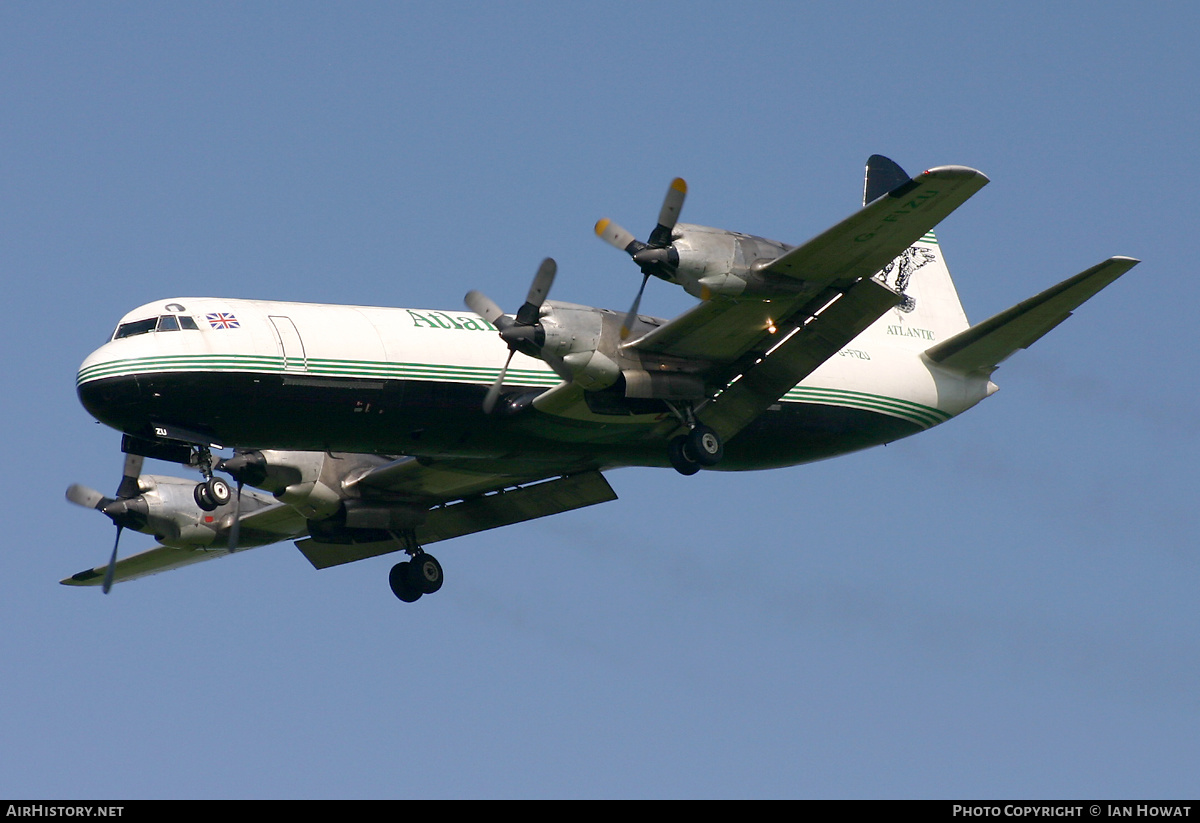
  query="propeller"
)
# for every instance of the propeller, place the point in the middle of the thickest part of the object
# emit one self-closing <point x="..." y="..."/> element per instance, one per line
<point x="246" y="466"/>
<point x="127" y="509"/>
<point x="654" y="257"/>
<point x="524" y="332"/>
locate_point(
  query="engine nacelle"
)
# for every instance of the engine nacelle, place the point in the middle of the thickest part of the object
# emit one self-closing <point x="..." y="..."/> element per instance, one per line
<point x="715" y="262"/>
<point x="307" y="481"/>
<point x="172" y="515"/>
<point x="577" y="339"/>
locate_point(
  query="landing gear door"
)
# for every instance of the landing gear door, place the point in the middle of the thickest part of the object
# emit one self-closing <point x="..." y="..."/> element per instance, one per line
<point x="290" y="344"/>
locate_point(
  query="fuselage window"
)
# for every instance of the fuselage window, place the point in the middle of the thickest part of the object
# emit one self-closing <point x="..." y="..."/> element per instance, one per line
<point x="168" y="323"/>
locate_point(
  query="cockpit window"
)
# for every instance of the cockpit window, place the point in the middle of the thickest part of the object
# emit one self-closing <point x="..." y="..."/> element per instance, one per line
<point x="166" y="322"/>
<point x="136" y="327"/>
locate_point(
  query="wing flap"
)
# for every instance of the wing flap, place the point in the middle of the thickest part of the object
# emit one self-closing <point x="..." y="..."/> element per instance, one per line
<point x="781" y="368"/>
<point x="435" y="480"/>
<point x="475" y="515"/>
<point x="985" y="345"/>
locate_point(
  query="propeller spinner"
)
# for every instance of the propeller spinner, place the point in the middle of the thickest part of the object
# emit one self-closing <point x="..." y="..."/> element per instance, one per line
<point x="524" y="332"/>
<point x="654" y="257"/>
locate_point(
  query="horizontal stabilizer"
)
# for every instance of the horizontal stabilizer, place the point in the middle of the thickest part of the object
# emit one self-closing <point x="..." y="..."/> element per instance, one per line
<point x="985" y="345"/>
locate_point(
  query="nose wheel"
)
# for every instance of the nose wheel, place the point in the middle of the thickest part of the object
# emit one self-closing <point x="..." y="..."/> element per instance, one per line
<point x="212" y="494"/>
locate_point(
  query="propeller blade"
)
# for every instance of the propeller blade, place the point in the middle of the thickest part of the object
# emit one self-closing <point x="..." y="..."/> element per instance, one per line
<point x="489" y="402"/>
<point x="669" y="214"/>
<point x="236" y="529"/>
<point x="483" y="305"/>
<point x="112" y="562"/>
<point x="627" y="323"/>
<point x="528" y="314"/>
<point x="87" y="497"/>
<point x="129" y="482"/>
<point x="614" y="235"/>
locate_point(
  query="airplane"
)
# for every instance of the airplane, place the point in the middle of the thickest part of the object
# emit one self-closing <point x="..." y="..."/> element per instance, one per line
<point x="357" y="431"/>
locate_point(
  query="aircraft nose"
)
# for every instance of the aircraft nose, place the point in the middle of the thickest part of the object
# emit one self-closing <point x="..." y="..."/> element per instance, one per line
<point x="109" y="396"/>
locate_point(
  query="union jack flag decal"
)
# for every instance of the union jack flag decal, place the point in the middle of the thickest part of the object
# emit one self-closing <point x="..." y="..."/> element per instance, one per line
<point x="222" y="320"/>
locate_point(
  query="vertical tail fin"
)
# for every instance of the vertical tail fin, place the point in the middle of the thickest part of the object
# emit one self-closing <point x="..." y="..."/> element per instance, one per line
<point x="930" y="305"/>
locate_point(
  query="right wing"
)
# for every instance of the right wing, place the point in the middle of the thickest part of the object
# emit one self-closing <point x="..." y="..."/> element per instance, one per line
<point x="760" y="349"/>
<point x="722" y="330"/>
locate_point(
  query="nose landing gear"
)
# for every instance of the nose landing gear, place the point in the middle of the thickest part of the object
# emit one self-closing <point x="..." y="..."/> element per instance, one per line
<point x="212" y="494"/>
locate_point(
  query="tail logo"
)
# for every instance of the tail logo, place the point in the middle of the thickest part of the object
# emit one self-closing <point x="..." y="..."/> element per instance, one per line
<point x="903" y="267"/>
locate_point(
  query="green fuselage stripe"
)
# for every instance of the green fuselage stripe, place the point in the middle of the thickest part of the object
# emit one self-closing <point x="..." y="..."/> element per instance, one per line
<point x="924" y="416"/>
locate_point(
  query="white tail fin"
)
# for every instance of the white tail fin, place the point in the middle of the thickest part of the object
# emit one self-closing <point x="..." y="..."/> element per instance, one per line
<point x="930" y="310"/>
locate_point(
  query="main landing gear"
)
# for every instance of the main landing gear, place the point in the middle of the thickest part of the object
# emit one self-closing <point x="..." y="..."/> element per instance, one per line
<point x="700" y="448"/>
<point x="420" y="575"/>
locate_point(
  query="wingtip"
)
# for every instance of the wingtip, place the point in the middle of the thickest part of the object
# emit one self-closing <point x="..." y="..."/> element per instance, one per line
<point x="87" y="577"/>
<point x="958" y="171"/>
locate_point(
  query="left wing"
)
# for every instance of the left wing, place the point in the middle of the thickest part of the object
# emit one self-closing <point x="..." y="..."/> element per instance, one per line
<point x="158" y="559"/>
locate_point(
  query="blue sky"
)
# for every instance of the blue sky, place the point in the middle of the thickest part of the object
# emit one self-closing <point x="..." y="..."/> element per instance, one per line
<point x="1004" y="606"/>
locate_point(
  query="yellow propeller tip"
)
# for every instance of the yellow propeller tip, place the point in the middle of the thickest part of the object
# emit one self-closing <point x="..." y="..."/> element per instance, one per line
<point x="680" y="185"/>
<point x="602" y="225"/>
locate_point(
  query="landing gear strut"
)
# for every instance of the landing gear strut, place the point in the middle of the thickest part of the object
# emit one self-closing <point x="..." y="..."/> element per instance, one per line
<point x="413" y="578"/>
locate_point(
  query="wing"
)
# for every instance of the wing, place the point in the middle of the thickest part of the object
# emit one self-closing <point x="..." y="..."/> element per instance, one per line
<point x="158" y="559"/>
<point x="473" y="501"/>
<point x="258" y="528"/>
<point x="724" y="330"/>
<point x="759" y="349"/>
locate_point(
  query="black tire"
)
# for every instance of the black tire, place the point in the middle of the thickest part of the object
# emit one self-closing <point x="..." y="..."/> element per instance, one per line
<point x="200" y="494"/>
<point x="704" y="446"/>
<point x="218" y="491"/>
<point x="402" y="585"/>
<point x="425" y="573"/>
<point x="681" y="460"/>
